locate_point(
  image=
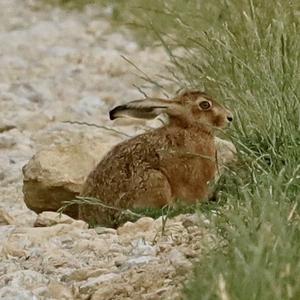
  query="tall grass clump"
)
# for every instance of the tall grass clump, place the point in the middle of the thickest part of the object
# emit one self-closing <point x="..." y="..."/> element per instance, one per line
<point x="246" y="53"/>
<point x="250" y="58"/>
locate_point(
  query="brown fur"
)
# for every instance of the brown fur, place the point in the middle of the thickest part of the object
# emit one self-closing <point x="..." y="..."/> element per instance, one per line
<point x="157" y="167"/>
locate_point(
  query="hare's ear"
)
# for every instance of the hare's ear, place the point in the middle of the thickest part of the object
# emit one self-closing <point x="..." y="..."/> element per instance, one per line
<point x="147" y="108"/>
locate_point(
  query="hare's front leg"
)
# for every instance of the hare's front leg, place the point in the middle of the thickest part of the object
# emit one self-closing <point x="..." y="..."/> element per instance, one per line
<point x="149" y="189"/>
<point x="146" y="189"/>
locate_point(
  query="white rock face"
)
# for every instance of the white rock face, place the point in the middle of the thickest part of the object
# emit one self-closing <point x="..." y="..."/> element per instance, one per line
<point x="56" y="174"/>
<point x="58" y="66"/>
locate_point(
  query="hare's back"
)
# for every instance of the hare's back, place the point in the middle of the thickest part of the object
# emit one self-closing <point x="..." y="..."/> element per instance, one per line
<point x="115" y="172"/>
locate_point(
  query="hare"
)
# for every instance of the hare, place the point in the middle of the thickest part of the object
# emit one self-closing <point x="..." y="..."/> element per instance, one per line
<point x="176" y="161"/>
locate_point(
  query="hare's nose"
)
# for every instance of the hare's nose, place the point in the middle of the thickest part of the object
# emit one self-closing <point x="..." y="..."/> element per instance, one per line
<point x="229" y="118"/>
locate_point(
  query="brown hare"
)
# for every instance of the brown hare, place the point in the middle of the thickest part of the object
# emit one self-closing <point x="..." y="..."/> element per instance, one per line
<point x="176" y="161"/>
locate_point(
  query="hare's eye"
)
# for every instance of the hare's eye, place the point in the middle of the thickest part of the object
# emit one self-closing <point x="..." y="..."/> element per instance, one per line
<point x="205" y="105"/>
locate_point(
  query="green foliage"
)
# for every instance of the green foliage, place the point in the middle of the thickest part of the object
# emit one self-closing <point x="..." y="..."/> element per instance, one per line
<point x="247" y="53"/>
<point x="251" y="59"/>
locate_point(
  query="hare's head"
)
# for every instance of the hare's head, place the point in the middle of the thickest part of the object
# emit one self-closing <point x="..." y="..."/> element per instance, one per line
<point x="188" y="108"/>
<point x="202" y="108"/>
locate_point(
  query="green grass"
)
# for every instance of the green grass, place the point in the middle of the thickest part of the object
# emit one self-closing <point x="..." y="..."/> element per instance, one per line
<point x="247" y="53"/>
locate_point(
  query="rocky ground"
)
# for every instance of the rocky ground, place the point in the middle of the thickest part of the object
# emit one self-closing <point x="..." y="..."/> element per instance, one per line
<point x="58" y="66"/>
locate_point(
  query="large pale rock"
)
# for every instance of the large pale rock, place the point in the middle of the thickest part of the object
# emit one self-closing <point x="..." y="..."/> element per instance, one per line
<point x="56" y="174"/>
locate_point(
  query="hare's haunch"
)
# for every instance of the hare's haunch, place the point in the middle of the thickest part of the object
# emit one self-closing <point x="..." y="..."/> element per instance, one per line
<point x="176" y="161"/>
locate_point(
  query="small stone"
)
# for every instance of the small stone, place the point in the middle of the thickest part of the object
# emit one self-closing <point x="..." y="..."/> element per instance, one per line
<point x="118" y="291"/>
<point x="190" y="220"/>
<point x="56" y="290"/>
<point x="140" y="247"/>
<point x="11" y="292"/>
<point x="6" y="141"/>
<point x="105" y="230"/>
<point x="157" y="295"/>
<point x="2" y="175"/>
<point x="6" y="127"/>
<point x="121" y="260"/>
<point x="83" y="274"/>
<point x="189" y="253"/>
<point x="27" y="279"/>
<point x="164" y="246"/>
<point x="49" y="218"/>
<point x="5" y="218"/>
<point x="91" y="284"/>
<point x="141" y="225"/>
<point x="179" y="261"/>
<point x="226" y="153"/>
<point x="137" y="261"/>
<point x="106" y="292"/>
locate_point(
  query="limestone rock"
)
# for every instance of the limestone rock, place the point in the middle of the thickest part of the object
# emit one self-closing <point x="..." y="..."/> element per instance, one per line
<point x="56" y="174"/>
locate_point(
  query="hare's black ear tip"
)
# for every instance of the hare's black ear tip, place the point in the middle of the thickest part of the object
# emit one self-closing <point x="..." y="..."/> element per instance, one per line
<point x="113" y="114"/>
